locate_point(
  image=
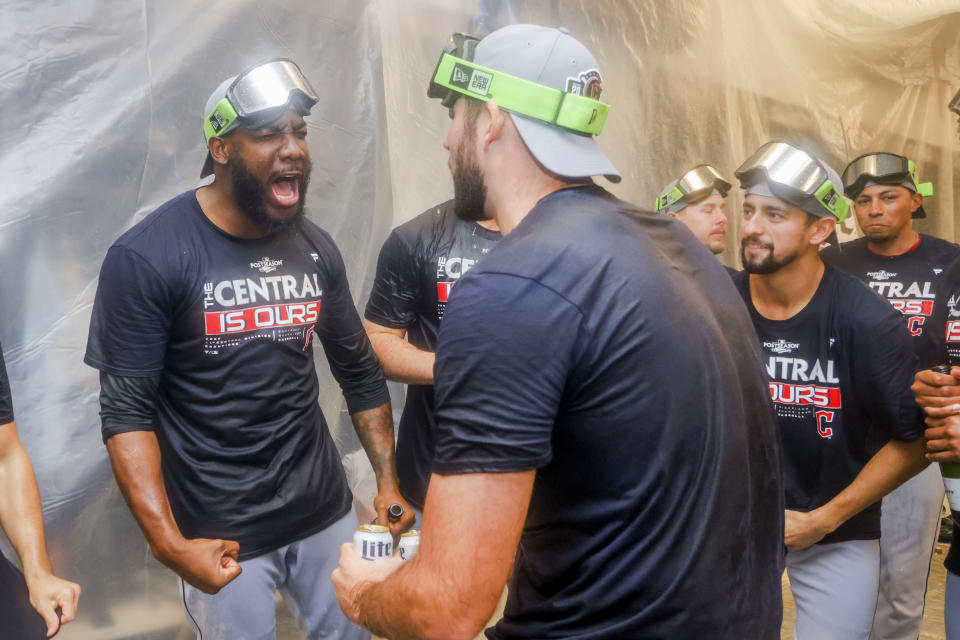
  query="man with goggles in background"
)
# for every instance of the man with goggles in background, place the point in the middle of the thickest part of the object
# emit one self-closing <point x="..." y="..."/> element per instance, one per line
<point x="905" y="267"/>
<point x="939" y="395"/>
<point x="840" y="363"/>
<point x="564" y="443"/>
<point x="202" y="331"/>
<point x="697" y="199"/>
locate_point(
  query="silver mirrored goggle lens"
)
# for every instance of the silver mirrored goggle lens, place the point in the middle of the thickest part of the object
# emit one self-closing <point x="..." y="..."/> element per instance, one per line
<point x="268" y="86"/>
<point x="701" y="179"/>
<point x="875" y="165"/>
<point x="786" y="165"/>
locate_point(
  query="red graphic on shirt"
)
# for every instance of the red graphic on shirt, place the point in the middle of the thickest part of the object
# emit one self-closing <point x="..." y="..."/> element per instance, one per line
<point x="265" y="317"/>
<point x="823" y="417"/>
<point x="916" y="310"/>
<point x="443" y="291"/>
<point x="953" y="331"/>
<point x="805" y="395"/>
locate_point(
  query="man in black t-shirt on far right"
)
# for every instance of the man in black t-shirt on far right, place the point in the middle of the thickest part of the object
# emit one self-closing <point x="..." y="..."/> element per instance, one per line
<point x="840" y="363"/>
<point x="906" y="267"/>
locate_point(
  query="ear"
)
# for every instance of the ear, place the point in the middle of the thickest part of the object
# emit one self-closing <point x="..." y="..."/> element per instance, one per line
<point x="496" y="121"/>
<point x="821" y="230"/>
<point x="672" y="214"/>
<point x="219" y="150"/>
<point x="916" y="201"/>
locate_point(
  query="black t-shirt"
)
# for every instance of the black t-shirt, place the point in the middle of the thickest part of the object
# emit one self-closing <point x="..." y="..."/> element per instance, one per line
<point x="227" y="325"/>
<point x="419" y="264"/>
<point x="909" y="281"/>
<point x="6" y="401"/>
<point x="840" y="373"/>
<point x="948" y="316"/>
<point x="605" y="348"/>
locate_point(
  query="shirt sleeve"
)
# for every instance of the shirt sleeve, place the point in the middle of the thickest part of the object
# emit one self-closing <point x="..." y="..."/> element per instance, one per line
<point x="131" y="317"/>
<point x="349" y="353"/>
<point x="505" y="354"/>
<point x="127" y="403"/>
<point x="396" y="288"/>
<point x="884" y="348"/>
<point x="6" y="400"/>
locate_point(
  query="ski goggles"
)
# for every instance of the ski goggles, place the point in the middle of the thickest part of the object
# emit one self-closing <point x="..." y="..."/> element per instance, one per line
<point x="795" y="177"/>
<point x="457" y="75"/>
<point x="259" y="95"/>
<point x="883" y="168"/>
<point x="695" y="184"/>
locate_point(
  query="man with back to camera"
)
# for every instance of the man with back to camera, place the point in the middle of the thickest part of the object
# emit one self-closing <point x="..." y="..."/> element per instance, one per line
<point x="202" y="331"/>
<point x="939" y="395"/>
<point x="33" y="604"/>
<point x="905" y="267"/>
<point x="561" y="425"/>
<point x="840" y="363"/>
<point x="698" y="200"/>
<point x="419" y="263"/>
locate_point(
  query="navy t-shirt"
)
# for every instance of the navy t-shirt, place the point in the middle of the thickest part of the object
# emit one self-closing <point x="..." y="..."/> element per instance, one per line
<point x="948" y="316"/>
<point x="840" y="373"/>
<point x="605" y="348"/>
<point x="419" y="263"/>
<point x="6" y="401"/>
<point x="227" y="325"/>
<point x="908" y="281"/>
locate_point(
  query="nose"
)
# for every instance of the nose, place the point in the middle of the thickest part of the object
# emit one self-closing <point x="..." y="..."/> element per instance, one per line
<point x="293" y="147"/>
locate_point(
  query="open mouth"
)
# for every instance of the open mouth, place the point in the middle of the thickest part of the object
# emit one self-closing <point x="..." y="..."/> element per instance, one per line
<point x="286" y="190"/>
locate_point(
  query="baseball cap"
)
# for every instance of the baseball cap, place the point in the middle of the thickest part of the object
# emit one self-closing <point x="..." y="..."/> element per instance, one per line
<point x="549" y="58"/>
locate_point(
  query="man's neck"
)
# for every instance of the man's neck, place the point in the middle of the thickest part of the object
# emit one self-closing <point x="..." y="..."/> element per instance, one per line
<point x="899" y="245"/>
<point x="514" y="193"/>
<point x="784" y="293"/>
<point x="217" y="202"/>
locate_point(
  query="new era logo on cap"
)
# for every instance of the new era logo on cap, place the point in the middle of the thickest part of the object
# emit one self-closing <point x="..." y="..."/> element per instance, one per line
<point x="217" y="121"/>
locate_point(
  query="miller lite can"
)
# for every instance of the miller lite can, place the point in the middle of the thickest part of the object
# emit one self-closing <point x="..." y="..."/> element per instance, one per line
<point x="409" y="544"/>
<point x="373" y="542"/>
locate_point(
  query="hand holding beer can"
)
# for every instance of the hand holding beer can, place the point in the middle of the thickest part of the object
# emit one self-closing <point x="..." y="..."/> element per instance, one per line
<point x="373" y="542"/>
<point x="409" y="544"/>
<point x="950" y="470"/>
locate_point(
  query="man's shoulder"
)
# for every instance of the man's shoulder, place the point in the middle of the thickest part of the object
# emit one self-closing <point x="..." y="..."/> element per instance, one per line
<point x="852" y="301"/>
<point x="431" y="223"/>
<point x="939" y="249"/>
<point x="843" y="253"/>
<point x="171" y="220"/>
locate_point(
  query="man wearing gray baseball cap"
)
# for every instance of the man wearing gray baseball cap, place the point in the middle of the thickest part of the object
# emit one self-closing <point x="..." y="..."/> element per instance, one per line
<point x="566" y="452"/>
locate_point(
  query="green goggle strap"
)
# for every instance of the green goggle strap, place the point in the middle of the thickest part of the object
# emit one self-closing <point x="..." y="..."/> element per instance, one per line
<point x="567" y="110"/>
<point x="668" y="198"/>
<point x="829" y="196"/>
<point x="222" y="116"/>
<point x="923" y="188"/>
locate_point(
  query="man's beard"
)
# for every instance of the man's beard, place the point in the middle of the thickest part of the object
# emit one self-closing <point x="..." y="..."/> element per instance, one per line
<point x="248" y="191"/>
<point x="768" y="264"/>
<point x="469" y="191"/>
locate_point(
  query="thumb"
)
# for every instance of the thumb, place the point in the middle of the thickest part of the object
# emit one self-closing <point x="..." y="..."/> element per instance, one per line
<point x="50" y="618"/>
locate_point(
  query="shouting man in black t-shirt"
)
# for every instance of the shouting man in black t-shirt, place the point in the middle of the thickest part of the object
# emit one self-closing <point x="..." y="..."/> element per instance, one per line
<point x="604" y="432"/>
<point x="905" y="267"/>
<point x="202" y="331"/>
<point x="418" y="266"/>
<point x="33" y="604"/>
<point x="840" y="362"/>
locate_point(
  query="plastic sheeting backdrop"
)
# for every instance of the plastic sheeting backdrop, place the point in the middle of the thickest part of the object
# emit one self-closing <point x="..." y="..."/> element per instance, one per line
<point x="100" y="122"/>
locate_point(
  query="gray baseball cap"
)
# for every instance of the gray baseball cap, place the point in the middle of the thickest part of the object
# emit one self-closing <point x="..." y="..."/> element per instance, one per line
<point x="553" y="58"/>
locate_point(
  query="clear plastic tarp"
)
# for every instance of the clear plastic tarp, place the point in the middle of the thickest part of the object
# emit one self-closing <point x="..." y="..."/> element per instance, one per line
<point x="100" y="122"/>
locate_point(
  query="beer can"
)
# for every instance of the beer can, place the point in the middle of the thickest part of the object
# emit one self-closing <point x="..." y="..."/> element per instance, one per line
<point x="409" y="544"/>
<point x="373" y="542"/>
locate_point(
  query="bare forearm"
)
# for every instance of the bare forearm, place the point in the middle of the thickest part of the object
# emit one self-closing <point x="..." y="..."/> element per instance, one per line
<point x="894" y="464"/>
<point x="402" y="361"/>
<point x="135" y="458"/>
<point x="21" y="515"/>
<point x="375" y="430"/>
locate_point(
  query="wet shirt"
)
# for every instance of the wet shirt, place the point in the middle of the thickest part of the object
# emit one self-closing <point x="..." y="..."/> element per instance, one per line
<point x="572" y="349"/>
<point x="840" y="372"/>
<point x="908" y="281"/>
<point x="6" y="401"/>
<point x="419" y="263"/>
<point x="948" y="316"/>
<point x="227" y="325"/>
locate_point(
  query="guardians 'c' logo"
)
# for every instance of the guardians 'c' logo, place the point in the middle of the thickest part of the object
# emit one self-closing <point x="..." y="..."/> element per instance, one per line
<point x="587" y="83"/>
